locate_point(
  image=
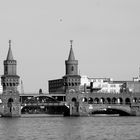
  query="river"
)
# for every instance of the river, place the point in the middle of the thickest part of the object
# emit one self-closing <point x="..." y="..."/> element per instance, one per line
<point x="69" y="128"/>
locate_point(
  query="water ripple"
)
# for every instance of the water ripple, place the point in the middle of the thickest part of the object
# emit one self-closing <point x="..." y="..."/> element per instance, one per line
<point x="70" y="128"/>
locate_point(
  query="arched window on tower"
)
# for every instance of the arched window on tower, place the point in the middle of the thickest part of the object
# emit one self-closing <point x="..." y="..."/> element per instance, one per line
<point x="72" y="68"/>
<point x="72" y="84"/>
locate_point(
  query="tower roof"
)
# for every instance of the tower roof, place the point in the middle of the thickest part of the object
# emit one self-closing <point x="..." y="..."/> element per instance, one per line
<point x="10" y="55"/>
<point x="71" y="54"/>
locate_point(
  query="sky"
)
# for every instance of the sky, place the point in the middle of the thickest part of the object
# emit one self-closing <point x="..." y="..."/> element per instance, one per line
<point x="105" y="36"/>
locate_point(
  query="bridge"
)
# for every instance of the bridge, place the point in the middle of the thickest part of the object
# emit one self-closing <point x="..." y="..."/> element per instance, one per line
<point x="95" y="103"/>
<point x="85" y="105"/>
<point x="123" y="104"/>
<point x="39" y="104"/>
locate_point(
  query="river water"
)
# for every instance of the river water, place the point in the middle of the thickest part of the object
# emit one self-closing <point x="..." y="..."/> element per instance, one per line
<point x="70" y="128"/>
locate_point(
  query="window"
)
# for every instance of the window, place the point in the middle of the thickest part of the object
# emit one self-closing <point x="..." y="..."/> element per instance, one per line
<point x="72" y="68"/>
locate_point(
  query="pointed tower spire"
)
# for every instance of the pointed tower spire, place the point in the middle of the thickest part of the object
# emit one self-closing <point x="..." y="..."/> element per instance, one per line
<point x="9" y="55"/>
<point x="71" y="63"/>
<point x="71" y="54"/>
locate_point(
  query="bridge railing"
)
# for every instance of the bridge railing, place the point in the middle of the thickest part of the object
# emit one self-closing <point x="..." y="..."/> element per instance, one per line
<point x="44" y="104"/>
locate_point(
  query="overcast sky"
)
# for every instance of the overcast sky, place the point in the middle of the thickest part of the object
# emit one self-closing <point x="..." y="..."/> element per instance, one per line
<point x="106" y="36"/>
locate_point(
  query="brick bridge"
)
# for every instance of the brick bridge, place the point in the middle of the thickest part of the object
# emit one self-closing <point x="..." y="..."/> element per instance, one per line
<point x="102" y="103"/>
<point x="83" y="104"/>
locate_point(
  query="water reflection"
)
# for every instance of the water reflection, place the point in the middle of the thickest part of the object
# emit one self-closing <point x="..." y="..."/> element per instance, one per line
<point x="70" y="128"/>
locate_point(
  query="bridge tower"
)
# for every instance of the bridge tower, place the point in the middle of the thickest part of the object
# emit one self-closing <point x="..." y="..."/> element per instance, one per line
<point x="10" y="81"/>
<point x="71" y="78"/>
<point x="72" y="81"/>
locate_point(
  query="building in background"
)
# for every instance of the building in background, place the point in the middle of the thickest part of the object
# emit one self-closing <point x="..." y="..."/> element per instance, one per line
<point x="107" y="85"/>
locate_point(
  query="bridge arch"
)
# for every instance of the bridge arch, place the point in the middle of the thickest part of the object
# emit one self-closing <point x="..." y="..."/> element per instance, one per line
<point x="120" y="100"/>
<point x="96" y="100"/>
<point x="111" y="111"/>
<point x="74" y="99"/>
<point x="108" y="100"/>
<point x="114" y="100"/>
<point x="90" y="100"/>
<point x="84" y="99"/>
<point x="10" y="100"/>
<point x="44" y="109"/>
<point x="9" y="103"/>
<point x="102" y="100"/>
<point x="127" y="101"/>
<point x="135" y="100"/>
